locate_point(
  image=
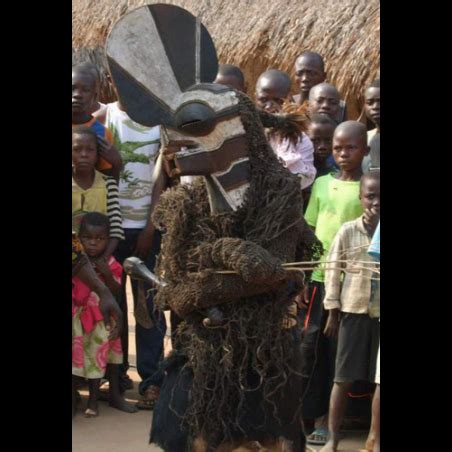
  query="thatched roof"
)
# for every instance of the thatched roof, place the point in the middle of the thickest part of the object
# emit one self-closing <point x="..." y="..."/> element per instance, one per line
<point x="261" y="34"/>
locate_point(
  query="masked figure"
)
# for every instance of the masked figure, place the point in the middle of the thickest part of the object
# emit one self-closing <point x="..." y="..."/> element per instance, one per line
<point x="237" y="383"/>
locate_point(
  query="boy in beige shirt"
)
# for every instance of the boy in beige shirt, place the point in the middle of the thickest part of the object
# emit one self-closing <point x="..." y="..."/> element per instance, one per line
<point x="352" y="297"/>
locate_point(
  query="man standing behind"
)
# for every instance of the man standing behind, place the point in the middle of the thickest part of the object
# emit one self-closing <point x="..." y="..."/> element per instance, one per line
<point x="139" y="146"/>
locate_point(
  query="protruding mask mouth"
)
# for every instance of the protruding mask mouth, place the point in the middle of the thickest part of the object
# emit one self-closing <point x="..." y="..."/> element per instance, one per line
<point x="190" y="155"/>
<point x="171" y="157"/>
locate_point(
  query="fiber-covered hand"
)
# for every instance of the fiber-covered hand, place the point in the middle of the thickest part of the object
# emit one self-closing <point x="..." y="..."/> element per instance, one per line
<point x="203" y="290"/>
<point x="252" y="262"/>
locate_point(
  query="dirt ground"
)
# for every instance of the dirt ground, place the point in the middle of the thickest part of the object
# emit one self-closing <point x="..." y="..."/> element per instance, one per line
<point x="114" y="431"/>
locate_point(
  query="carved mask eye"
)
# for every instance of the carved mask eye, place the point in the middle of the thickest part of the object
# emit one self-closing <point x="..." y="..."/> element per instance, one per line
<point x="195" y="119"/>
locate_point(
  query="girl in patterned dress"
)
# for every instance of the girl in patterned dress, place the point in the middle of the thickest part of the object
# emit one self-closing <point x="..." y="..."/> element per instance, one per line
<point x="94" y="348"/>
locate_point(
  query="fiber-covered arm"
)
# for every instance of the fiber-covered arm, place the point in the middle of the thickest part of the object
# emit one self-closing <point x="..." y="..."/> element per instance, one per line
<point x="252" y="262"/>
<point x="205" y="289"/>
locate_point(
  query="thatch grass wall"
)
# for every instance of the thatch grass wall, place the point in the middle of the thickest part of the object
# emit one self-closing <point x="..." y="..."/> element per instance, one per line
<point x="261" y="34"/>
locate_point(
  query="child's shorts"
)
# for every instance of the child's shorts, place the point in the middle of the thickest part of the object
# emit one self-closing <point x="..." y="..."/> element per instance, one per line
<point x="357" y="348"/>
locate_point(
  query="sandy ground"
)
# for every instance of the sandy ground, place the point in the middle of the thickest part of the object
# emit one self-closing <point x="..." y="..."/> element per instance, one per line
<point x="114" y="431"/>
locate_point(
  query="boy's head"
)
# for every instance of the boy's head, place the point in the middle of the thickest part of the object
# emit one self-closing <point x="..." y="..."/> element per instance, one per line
<point x="321" y="131"/>
<point x="94" y="233"/>
<point x="90" y="67"/>
<point x="272" y="89"/>
<point x="84" y="89"/>
<point x="350" y="145"/>
<point x="231" y="76"/>
<point x="84" y="148"/>
<point x="372" y="102"/>
<point x="324" y="99"/>
<point x="369" y="191"/>
<point x="309" y="71"/>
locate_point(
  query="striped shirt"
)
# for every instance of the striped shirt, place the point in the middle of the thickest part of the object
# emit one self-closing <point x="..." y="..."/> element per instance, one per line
<point x="114" y="209"/>
<point x="102" y="197"/>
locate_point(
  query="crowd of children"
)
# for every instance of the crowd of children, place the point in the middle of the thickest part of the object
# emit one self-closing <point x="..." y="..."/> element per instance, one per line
<point x="115" y="189"/>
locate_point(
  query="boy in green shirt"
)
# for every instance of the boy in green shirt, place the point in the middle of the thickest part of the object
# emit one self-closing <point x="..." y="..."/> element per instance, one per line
<point x="334" y="201"/>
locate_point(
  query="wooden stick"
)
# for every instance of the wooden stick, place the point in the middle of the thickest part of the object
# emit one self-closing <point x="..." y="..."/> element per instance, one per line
<point x="232" y="272"/>
<point x="328" y="262"/>
<point x="358" y="267"/>
<point x="339" y="268"/>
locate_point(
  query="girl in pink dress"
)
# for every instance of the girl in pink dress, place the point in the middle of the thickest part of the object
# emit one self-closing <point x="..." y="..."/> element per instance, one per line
<point x="94" y="348"/>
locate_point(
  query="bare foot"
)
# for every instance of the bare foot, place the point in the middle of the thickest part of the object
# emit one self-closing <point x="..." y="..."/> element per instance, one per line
<point x="370" y="441"/>
<point x="330" y="446"/>
<point x="369" y="444"/>
<point x="120" y="404"/>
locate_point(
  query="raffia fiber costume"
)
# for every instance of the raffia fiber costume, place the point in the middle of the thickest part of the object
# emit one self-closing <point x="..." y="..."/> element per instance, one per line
<point x="238" y="382"/>
<point x="244" y="377"/>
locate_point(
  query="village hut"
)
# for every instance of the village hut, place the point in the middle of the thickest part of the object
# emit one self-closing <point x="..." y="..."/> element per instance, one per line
<point x="257" y="35"/>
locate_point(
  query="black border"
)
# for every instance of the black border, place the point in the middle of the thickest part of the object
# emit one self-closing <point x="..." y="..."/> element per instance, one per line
<point x="36" y="221"/>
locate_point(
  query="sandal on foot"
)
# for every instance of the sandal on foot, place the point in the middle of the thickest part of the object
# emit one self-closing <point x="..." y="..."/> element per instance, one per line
<point x="91" y="413"/>
<point x="318" y="437"/>
<point x="149" y="398"/>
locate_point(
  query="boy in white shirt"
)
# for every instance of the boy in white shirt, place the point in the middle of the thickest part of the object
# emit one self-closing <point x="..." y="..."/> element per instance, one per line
<point x="139" y="147"/>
